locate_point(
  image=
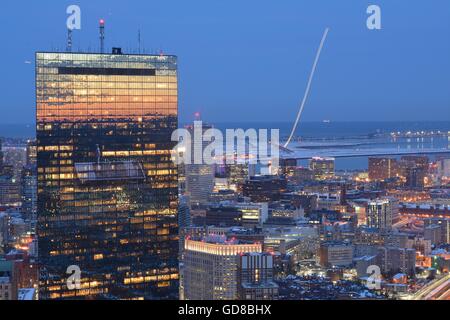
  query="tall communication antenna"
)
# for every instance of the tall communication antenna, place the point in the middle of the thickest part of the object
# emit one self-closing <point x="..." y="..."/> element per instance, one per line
<point x="69" y="40"/>
<point x="102" y="36"/>
<point x="139" y="40"/>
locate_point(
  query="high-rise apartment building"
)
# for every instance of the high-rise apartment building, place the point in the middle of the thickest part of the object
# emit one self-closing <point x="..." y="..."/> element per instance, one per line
<point x="107" y="187"/>
<point x="381" y="213"/>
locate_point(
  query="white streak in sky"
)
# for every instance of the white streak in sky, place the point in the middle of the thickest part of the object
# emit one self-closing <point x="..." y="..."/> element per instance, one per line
<point x="308" y="87"/>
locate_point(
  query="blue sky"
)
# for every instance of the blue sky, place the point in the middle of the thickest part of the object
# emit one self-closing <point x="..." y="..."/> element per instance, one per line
<point x="249" y="60"/>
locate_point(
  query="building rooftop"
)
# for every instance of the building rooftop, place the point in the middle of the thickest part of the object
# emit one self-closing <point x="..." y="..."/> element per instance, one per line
<point x="224" y="248"/>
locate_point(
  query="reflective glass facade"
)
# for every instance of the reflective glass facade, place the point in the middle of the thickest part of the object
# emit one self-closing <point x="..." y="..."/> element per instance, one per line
<point x="107" y="188"/>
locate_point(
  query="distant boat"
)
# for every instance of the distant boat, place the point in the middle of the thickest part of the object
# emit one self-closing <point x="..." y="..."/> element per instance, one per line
<point x="326" y="121"/>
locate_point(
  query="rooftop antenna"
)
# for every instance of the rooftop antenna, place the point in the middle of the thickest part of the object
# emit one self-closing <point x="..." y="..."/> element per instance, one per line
<point x="102" y="36"/>
<point x="69" y="40"/>
<point x="139" y="39"/>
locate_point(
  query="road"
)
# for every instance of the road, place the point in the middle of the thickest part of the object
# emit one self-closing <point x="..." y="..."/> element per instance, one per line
<point x="438" y="289"/>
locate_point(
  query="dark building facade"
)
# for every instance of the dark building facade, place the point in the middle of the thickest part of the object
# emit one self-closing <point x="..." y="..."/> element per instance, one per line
<point x="223" y="216"/>
<point x="107" y="187"/>
<point x="415" y="177"/>
<point x="256" y="277"/>
<point x="265" y="188"/>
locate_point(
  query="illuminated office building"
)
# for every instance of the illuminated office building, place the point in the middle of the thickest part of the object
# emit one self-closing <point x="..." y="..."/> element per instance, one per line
<point x="322" y="168"/>
<point x="107" y="188"/>
<point x="210" y="270"/>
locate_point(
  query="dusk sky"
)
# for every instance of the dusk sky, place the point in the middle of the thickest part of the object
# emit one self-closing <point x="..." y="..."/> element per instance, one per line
<point x="249" y="60"/>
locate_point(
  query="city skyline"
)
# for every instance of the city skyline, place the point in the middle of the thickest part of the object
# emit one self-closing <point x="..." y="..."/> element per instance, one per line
<point x="225" y="157"/>
<point x="397" y="73"/>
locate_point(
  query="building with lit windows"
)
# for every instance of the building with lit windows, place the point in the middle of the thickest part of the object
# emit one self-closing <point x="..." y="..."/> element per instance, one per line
<point x="29" y="191"/>
<point x="264" y="188"/>
<point x="253" y="214"/>
<point x="381" y="213"/>
<point x="394" y="260"/>
<point x="322" y="168"/>
<point x="383" y="168"/>
<point x="107" y="187"/>
<point x="255" y="277"/>
<point x="9" y="190"/>
<point x="31" y="153"/>
<point x="210" y="270"/>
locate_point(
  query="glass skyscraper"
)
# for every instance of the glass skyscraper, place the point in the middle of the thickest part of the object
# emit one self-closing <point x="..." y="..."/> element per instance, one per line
<point x="107" y="188"/>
